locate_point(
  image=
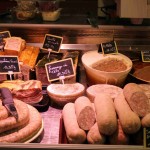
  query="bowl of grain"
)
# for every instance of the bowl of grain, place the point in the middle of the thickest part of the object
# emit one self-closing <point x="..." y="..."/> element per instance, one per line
<point x="106" y="69"/>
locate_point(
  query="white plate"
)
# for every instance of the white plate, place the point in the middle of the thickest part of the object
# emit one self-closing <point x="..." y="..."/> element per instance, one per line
<point x="36" y="135"/>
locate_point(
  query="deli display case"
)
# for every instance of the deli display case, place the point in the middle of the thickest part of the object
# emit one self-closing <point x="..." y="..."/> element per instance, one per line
<point x="79" y="38"/>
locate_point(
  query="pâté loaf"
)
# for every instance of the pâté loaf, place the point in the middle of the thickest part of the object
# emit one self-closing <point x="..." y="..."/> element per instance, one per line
<point x="14" y="45"/>
<point x="40" y="66"/>
<point x="27" y="59"/>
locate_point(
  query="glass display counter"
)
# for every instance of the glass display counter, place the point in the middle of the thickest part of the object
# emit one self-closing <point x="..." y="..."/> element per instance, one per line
<point x="77" y="35"/>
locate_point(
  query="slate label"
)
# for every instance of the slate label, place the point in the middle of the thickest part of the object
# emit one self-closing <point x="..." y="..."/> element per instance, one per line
<point x="52" y="42"/>
<point x="145" y="56"/>
<point x="147" y="137"/>
<point x="9" y="63"/>
<point x="59" y="68"/>
<point x="108" y="48"/>
<point x="4" y="34"/>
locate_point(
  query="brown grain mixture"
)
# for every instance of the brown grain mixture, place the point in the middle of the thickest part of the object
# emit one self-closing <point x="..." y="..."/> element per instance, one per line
<point x="110" y="65"/>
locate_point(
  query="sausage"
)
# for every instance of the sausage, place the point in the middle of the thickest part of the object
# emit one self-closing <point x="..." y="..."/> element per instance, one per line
<point x="136" y="98"/>
<point x="105" y="114"/>
<point x="26" y="132"/>
<point x="11" y="122"/>
<point x="94" y="136"/>
<point x="84" y="112"/>
<point x="146" y="120"/>
<point x="129" y="120"/>
<point x="3" y="112"/>
<point x="74" y="133"/>
<point x="119" y="137"/>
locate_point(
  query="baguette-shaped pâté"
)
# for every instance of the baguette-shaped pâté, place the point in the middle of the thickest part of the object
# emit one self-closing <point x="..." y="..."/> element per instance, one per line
<point x="129" y="120"/>
<point x="105" y="114"/>
<point x="119" y="137"/>
<point x="94" y="136"/>
<point x="84" y="112"/>
<point x="74" y="133"/>
<point x="146" y="120"/>
<point x="136" y="98"/>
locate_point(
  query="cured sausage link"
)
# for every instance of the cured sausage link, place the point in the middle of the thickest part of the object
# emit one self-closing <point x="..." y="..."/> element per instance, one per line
<point x="129" y="120"/>
<point x="84" y="112"/>
<point x="136" y="98"/>
<point x="74" y="133"/>
<point x="105" y="114"/>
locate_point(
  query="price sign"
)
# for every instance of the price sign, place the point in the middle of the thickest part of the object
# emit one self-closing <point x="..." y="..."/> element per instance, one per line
<point x="4" y="34"/>
<point x="147" y="137"/>
<point x="9" y="64"/>
<point x="145" y="56"/>
<point x="59" y="68"/>
<point x="52" y="42"/>
<point x="108" y="48"/>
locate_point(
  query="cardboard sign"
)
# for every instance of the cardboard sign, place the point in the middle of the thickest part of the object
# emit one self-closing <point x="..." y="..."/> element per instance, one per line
<point x="4" y="34"/>
<point x="9" y="63"/>
<point x="108" y="48"/>
<point x="52" y="42"/>
<point x="145" y="56"/>
<point x="147" y="137"/>
<point x="59" y="68"/>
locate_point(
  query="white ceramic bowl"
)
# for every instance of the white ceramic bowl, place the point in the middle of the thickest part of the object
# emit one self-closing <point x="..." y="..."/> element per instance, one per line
<point x="97" y="77"/>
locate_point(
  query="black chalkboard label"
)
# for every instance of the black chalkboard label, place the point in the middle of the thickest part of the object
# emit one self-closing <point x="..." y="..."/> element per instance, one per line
<point x="108" y="48"/>
<point x="4" y="34"/>
<point x="60" y="68"/>
<point x="147" y="137"/>
<point x="145" y="55"/>
<point x="52" y="42"/>
<point x="9" y="63"/>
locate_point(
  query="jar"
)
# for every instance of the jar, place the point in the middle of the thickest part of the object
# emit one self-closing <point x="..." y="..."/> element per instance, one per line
<point x="26" y="5"/>
<point x="25" y="9"/>
<point x="49" y="9"/>
<point x="25" y="14"/>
